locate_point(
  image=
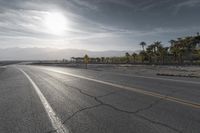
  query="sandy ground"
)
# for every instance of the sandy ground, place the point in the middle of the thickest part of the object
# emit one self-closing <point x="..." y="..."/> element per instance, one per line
<point x="182" y="71"/>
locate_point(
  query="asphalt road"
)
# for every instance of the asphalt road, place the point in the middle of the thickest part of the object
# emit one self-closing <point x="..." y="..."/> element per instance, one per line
<point x="36" y="99"/>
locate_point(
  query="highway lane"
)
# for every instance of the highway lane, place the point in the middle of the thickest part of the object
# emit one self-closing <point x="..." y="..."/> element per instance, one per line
<point x="184" y="88"/>
<point x="21" y="110"/>
<point x="84" y="105"/>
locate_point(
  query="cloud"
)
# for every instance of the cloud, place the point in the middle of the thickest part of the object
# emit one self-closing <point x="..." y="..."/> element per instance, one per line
<point x="16" y="22"/>
<point x="93" y="23"/>
<point x="85" y="4"/>
<point x="187" y="4"/>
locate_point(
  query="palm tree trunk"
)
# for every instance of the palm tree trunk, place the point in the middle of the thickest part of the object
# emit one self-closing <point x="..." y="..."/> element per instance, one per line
<point x="143" y="47"/>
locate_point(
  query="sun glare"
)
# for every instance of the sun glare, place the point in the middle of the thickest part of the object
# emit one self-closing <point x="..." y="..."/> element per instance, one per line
<point x="55" y="22"/>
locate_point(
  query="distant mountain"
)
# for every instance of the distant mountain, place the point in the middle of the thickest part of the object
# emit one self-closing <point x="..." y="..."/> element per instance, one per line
<point x="53" y="54"/>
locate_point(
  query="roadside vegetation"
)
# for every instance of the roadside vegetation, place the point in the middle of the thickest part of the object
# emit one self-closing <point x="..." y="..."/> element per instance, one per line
<point x="181" y="51"/>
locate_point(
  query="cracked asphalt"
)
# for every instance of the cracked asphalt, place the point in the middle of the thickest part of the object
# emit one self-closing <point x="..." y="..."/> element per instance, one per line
<point x="86" y="106"/>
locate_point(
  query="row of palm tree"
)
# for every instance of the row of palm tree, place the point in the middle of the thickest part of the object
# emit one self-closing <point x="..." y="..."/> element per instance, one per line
<point x="181" y="50"/>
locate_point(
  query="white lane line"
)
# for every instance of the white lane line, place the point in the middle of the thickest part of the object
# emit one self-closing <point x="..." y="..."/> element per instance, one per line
<point x="149" y="93"/>
<point x="146" y="77"/>
<point x="55" y="121"/>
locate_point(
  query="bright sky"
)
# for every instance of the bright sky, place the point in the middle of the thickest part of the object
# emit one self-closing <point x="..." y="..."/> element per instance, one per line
<point x="95" y="24"/>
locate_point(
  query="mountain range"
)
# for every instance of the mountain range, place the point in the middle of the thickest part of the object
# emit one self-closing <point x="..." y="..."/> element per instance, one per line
<point x="53" y="54"/>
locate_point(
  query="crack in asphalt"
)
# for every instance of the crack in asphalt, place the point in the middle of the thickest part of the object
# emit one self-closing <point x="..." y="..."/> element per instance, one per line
<point x="80" y="90"/>
<point x="150" y="106"/>
<point x="96" y="98"/>
<point x="159" y="123"/>
<point x="87" y="108"/>
<point x="52" y="131"/>
<point x="110" y="93"/>
<point x="120" y="110"/>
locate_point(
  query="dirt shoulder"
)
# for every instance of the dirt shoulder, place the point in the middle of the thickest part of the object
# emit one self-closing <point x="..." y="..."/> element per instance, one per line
<point x="178" y="71"/>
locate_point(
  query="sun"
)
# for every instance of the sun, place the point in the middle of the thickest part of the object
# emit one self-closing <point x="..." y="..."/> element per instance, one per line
<point x="55" y="23"/>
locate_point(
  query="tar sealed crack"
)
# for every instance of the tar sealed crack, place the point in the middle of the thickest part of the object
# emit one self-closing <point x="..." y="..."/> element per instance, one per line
<point x="120" y="110"/>
<point x="87" y="108"/>
<point x="117" y="109"/>
<point x="52" y="131"/>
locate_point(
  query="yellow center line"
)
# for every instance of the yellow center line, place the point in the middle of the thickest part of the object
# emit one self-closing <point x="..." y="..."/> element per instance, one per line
<point x="149" y="93"/>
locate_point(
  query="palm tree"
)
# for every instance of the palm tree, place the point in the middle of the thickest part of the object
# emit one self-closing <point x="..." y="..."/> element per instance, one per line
<point x="134" y="56"/>
<point x="142" y="53"/>
<point x="102" y="59"/>
<point x="156" y="46"/>
<point x="86" y="60"/>
<point x="150" y="52"/>
<point x="163" y="52"/>
<point x="127" y="57"/>
<point x="98" y="60"/>
<point x="180" y="49"/>
<point x="143" y="44"/>
<point x="174" y="49"/>
<point x="189" y="46"/>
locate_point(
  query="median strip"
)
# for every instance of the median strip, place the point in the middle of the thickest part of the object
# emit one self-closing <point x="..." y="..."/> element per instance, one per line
<point x="55" y="121"/>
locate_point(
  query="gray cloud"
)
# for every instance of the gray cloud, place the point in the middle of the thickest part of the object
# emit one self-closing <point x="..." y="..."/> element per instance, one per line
<point x="94" y="24"/>
<point x="189" y="3"/>
<point x="186" y="4"/>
